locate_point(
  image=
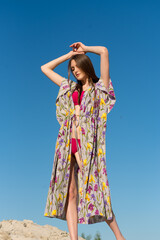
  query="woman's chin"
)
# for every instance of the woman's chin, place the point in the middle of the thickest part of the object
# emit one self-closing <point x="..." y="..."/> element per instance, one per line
<point x="78" y="78"/>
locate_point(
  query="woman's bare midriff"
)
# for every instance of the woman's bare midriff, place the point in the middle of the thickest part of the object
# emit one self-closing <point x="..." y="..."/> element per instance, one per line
<point x="77" y="110"/>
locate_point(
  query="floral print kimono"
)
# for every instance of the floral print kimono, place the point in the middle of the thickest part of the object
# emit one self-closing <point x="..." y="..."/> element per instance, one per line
<point x="93" y="200"/>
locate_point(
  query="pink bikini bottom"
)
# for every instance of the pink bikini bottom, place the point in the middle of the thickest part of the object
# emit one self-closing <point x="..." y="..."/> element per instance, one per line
<point x="74" y="145"/>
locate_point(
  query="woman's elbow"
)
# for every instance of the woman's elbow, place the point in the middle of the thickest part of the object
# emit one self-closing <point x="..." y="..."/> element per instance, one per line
<point x="42" y="68"/>
<point x="105" y="50"/>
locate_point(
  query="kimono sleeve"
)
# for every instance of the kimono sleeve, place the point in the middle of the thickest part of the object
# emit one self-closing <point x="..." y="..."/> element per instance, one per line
<point x="106" y="95"/>
<point x="64" y="88"/>
<point x="63" y="101"/>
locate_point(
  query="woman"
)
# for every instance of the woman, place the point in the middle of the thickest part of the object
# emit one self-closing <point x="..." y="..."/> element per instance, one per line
<point x="79" y="189"/>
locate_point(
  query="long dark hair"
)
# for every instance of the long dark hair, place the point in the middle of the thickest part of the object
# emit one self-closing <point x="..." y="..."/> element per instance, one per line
<point x="83" y="62"/>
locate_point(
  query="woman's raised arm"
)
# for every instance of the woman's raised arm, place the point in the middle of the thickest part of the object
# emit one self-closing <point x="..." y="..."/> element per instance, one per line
<point x="104" y="65"/>
<point x="47" y="68"/>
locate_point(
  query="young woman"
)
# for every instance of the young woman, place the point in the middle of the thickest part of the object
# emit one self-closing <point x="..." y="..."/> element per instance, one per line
<point x="79" y="189"/>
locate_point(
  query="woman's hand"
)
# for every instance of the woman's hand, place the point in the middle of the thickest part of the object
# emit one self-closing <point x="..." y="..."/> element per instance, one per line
<point x="79" y="47"/>
<point x="71" y="53"/>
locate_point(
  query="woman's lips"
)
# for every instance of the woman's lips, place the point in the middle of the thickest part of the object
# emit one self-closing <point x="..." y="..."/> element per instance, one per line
<point x="77" y="74"/>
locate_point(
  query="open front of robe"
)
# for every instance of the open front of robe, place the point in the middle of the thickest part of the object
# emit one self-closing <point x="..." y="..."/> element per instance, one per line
<point x="93" y="200"/>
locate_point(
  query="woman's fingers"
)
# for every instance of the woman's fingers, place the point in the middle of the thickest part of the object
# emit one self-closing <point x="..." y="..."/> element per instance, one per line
<point x="79" y="52"/>
<point x="74" y="53"/>
<point x="74" y="44"/>
<point x="79" y="46"/>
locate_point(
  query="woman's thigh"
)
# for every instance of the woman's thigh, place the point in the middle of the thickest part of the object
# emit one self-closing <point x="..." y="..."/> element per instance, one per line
<point x="72" y="188"/>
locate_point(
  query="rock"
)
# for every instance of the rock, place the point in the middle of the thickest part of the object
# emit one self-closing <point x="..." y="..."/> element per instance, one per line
<point x="28" y="230"/>
<point x="4" y="236"/>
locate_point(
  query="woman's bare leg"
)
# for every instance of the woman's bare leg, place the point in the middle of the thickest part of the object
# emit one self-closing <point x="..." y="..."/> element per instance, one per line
<point x="71" y="206"/>
<point x="114" y="227"/>
<point x="79" y="161"/>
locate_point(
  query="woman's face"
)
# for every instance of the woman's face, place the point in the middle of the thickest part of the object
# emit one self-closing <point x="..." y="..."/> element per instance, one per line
<point x="77" y="72"/>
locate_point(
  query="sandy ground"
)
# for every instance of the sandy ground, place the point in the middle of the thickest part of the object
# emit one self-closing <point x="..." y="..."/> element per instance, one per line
<point x="28" y="230"/>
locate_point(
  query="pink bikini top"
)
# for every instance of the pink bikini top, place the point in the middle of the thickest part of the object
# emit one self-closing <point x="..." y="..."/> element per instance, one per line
<point x="75" y="97"/>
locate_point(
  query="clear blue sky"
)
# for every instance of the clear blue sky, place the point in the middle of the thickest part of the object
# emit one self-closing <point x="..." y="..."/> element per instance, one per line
<point x="34" y="33"/>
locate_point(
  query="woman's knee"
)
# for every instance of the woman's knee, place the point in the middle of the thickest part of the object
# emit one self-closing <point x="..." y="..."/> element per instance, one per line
<point x="72" y="193"/>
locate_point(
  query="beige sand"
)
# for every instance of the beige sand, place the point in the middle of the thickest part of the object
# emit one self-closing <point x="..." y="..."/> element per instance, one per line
<point x="28" y="230"/>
